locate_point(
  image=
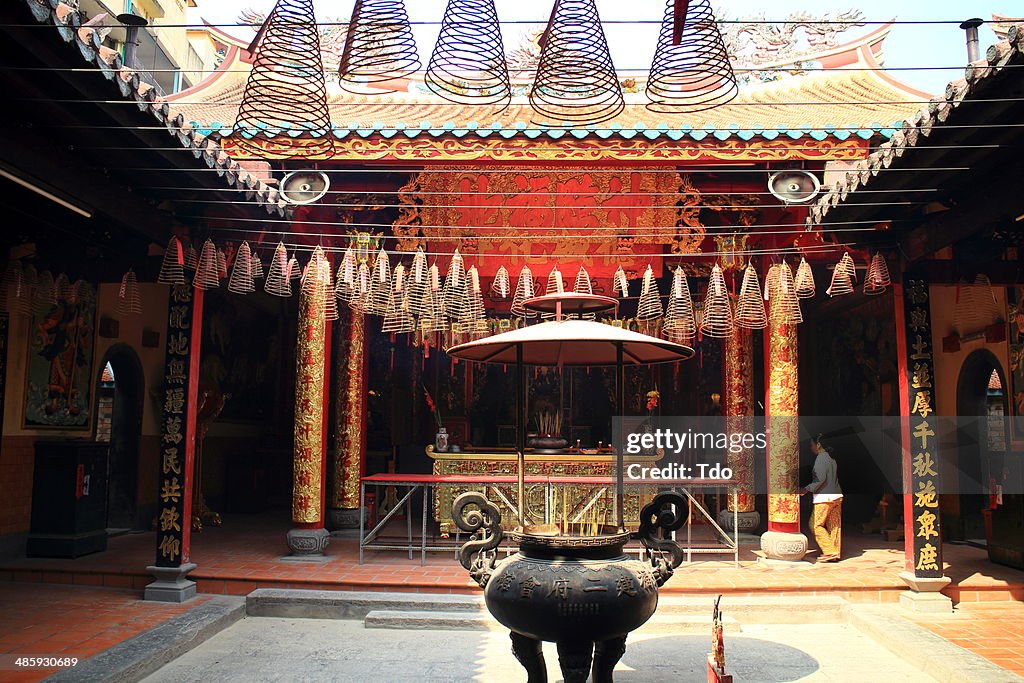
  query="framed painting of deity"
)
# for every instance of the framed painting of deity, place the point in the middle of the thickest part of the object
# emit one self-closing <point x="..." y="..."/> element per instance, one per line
<point x="59" y="381"/>
<point x="1015" y="307"/>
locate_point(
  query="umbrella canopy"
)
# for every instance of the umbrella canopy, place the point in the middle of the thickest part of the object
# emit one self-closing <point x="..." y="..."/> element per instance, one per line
<point x="572" y="342"/>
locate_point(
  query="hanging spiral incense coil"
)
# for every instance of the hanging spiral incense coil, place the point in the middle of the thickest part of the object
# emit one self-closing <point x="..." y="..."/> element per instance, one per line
<point x="379" y="45"/>
<point x="583" y="285"/>
<point x="476" y="318"/>
<point x="255" y="265"/>
<point x="576" y="82"/>
<point x="191" y="258"/>
<point x="398" y="319"/>
<point x="346" y="276"/>
<point x="501" y="285"/>
<point x="691" y="69"/>
<point x="468" y="63"/>
<point x="222" y="265"/>
<point x="877" y="279"/>
<point x="455" y="288"/>
<point x="680" y="324"/>
<point x="620" y="285"/>
<point x="17" y="297"/>
<point x="716" y="317"/>
<point x="277" y="282"/>
<point x="172" y="267"/>
<point x="207" y="273"/>
<point x="129" y="303"/>
<point x="417" y="285"/>
<point x="240" y="281"/>
<point x="555" y="283"/>
<point x="438" y="320"/>
<point x="649" y="307"/>
<point x="286" y="92"/>
<point x="804" y="280"/>
<point x="380" y="285"/>
<point x="784" y="305"/>
<point x="524" y="291"/>
<point x="750" y="313"/>
<point x="319" y="271"/>
<point x="843" y="277"/>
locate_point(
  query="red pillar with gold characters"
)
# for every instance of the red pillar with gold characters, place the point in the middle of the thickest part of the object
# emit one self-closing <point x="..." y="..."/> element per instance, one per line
<point x="738" y="409"/>
<point x="783" y="540"/>
<point x="308" y="535"/>
<point x="349" y="422"/>
<point x="921" y="517"/>
<point x="177" y="448"/>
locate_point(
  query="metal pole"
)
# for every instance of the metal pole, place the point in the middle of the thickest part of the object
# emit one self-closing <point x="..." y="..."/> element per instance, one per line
<point x="620" y="465"/>
<point x="521" y="433"/>
<point x="970" y="27"/>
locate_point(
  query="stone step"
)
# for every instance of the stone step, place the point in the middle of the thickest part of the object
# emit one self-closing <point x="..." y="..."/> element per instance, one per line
<point x="465" y="621"/>
<point x="762" y="609"/>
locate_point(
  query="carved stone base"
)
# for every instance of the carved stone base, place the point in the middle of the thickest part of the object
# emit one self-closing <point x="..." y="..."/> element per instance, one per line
<point x="780" y="545"/>
<point x="933" y="603"/>
<point x="307" y="541"/>
<point x="344" y="518"/>
<point x="171" y="584"/>
<point x="925" y="585"/>
<point x="748" y="522"/>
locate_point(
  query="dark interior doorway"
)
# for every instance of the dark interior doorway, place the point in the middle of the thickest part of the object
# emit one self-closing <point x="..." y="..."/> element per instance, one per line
<point x="981" y="441"/>
<point x="119" y="423"/>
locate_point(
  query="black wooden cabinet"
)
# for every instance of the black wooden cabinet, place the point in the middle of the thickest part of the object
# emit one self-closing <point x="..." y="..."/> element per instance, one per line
<point x="69" y="499"/>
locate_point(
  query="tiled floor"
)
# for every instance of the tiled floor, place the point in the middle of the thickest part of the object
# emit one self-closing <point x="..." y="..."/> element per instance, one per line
<point x="47" y="620"/>
<point x="989" y="629"/>
<point x="247" y="553"/>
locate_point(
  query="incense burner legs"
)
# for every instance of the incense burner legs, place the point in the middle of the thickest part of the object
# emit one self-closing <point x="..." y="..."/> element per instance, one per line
<point x="581" y="592"/>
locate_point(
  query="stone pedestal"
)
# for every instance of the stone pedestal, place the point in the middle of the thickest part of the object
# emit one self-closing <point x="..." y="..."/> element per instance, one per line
<point x="344" y="518"/>
<point x="171" y="584"/>
<point x="786" y="546"/>
<point x="746" y="522"/>
<point x="925" y="595"/>
<point x="307" y="542"/>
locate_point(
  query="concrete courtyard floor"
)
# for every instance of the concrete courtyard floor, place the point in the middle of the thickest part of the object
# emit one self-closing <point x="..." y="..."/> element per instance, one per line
<point x="274" y="649"/>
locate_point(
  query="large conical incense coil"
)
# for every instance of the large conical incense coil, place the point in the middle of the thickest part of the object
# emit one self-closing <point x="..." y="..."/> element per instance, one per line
<point x="325" y="286"/>
<point x="804" y="280"/>
<point x="501" y="285"/>
<point x="784" y="305"/>
<point x="716" y="316"/>
<point x="843" y="277"/>
<point x="308" y="284"/>
<point x="44" y="294"/>
<point x="241" y="281"/>
<point x="417" y="285"/>
<point x="691" y="69"/>
<point x="380" y="284"/>
<point x="397" y="318"/>
<point x="345" y="278"/>
<point x="524" y="291"/>
<point x="750" y="313"/>
<point x="468" y="63"/>
<point x="172" y="268"/>
<point x="620" y="285"/>
<point x="649" y="306"/>
<point x="359" y="294"/>
<point x="455" y="287"/>
<point x="438" y="320"/>
<point x="255" y="266"/>
<point x="379" y="45"/>
<point x="576" y="82"/>
<point x="476" y="319"/>
<point x="191" y="258"/>
<point x="877" y="279"/>
<point x="286" y="91"/>
<point x="278" y="282"/>
<point x="206" y="276"/>
<point x="680" y="324"/>
<point x="129" y="303"/>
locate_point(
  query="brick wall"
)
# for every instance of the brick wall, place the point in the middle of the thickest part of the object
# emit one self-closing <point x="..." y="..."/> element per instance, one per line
<point x="17" y="457"/>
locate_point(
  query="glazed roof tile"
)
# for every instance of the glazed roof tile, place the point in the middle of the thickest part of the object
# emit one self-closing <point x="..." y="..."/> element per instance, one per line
<point x="68" y="22"/>
<point x="916" y="129"/>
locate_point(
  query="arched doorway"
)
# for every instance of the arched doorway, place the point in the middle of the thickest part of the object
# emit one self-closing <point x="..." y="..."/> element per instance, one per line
<point x="981" y="405"/>
<point x="119" y="423"/>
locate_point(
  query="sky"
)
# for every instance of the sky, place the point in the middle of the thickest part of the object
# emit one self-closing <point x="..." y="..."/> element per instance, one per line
<point x="926" y="55"/>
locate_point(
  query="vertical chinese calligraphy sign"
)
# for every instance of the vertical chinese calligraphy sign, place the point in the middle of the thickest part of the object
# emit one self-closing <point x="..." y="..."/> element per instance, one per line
<point x="177" y="442"/>
<point x="921" y="470"/>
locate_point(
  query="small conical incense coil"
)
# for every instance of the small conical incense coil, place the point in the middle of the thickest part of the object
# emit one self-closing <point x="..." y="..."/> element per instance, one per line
<point x="849" y="265"/>
<point x="784" y="306"/>
<point x="311" y="274"/>
<point x="172" y="268"/>
<point x="501" y="285"/>
<point x="804" y="280"/>
<point x="476" y="318"/>
<point x="191" y="258"/>
<point x="524" y="291"/>
<point x="294" y="269"/>
<point x="842" y="282"/>
<point x="255" y="265"/>
<point x="620" y="285"/>
<point x="455" y="286"/>
<point x="359" y="294"/>
<point x="380" y="285"/>
<point x="240" y="281"/>
<point x="277" y="282"/>
<point x="206" y="276"/>
<point x="417" y="285"/>
<point x="222" y="265"/>
<point x="649" y="306"/>
<point x="716" y="316"/>
<point x="398" y="319"/>
<point x="583" y="285"/>
<point x="325" y="287"/>
<point x="680" y="324"/>
<point x="877" y="279"/>
<point x="437" y="320"/>
<point x="128" y="301"/>
<point x="750" y="313"/>
<point x="44" y="296"/>
<point x="345" y="278"/>
<point x="555" y="283"/>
